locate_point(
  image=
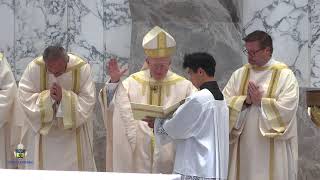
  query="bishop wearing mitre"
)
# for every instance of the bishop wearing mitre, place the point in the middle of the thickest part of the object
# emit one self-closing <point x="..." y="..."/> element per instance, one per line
<point x="130" y="143"/>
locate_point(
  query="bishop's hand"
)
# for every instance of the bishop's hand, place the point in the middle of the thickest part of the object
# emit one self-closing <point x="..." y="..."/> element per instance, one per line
<point x="56" y="92"/>
<point x="150" y="121"/>
<point x="114" y="71"/>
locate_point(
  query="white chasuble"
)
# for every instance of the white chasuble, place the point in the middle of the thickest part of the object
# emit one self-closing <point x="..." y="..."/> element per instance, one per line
<point x="130" y="142"/>
<point x="59" y="137"/>
<point x="263" y="139"/>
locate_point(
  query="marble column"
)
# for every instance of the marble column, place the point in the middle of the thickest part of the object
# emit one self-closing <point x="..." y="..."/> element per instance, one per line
<point x="37" y="24"/>
<point x="288" y="24"/>
<point x="309" y="134"/>
<point x="7" y="10"/>
<point x="315" y="42"/>
<point x="99" y="30"/>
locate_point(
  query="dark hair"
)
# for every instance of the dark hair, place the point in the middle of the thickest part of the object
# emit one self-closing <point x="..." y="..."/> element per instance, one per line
<point x="54" y="52"/>
<point x="262" y="37"/>
<point x="198" y="60"/>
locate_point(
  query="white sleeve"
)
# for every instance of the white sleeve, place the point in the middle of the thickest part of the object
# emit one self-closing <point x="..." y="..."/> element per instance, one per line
<point x="185" y="122"/>
<point x="161" y="135"/>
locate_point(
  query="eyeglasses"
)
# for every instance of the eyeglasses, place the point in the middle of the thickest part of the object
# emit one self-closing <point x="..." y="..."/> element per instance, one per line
<point x="247" y="53"/>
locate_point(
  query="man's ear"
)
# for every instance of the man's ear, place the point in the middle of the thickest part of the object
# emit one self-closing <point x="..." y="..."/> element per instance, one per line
<point x="200" y="71"/>
<point x="268" y="49"/>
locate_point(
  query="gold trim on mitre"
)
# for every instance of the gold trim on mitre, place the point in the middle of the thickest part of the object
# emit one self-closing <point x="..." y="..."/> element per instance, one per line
<point x="157" y="43"/>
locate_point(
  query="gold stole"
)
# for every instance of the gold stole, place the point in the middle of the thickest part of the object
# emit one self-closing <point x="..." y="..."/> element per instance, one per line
<point x="71" y="111"/>
<point x="1" y="56"/>
<point x="156" y="91"/>
<point x="271" y="110"/>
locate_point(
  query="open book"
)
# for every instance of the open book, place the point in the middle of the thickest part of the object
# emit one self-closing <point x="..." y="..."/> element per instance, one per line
<point x="141" y="111"/>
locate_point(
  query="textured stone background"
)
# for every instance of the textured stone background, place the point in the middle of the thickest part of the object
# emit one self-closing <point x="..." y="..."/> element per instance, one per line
<point x="101" y="29"/>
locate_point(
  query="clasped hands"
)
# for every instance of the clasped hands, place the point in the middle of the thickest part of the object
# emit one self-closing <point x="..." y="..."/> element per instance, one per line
<point x="254" y="94"/>
<point x="56" y="92"/>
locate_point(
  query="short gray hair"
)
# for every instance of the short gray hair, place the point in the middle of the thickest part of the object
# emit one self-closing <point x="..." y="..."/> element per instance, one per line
<point x="54" y="52"/>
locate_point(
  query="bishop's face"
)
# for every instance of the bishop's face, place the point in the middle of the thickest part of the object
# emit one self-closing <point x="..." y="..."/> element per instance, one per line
<point x="158" y="67"/>
<point x="56" y="66"/>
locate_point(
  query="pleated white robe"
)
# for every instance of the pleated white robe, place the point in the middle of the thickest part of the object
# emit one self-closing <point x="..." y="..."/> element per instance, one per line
<point x="199" y="128"/>
<point x="9" y="111"/>
<point x="263" y="139"/>
<point x="58" y="143"/>
<point x="130" y="142"/>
